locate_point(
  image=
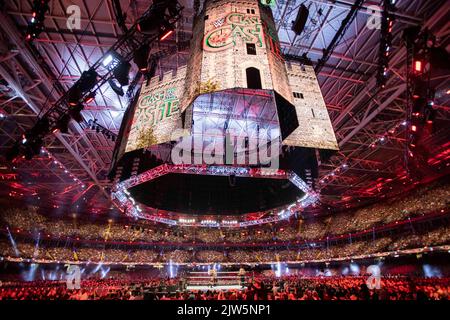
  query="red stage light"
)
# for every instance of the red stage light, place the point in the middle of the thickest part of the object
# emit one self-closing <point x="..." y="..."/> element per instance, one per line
<point x="418" y="66"/>
<point x="90" y="98"/>
<point x="166" y="35"/>
<point x="413" y="128"/>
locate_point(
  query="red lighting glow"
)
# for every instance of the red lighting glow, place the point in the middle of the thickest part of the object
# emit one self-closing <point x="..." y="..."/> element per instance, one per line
<point x="89" y="99"/>
<point x="166" y="35"/>
<point x="418" y="66"/>
<point x="413" y="128"/>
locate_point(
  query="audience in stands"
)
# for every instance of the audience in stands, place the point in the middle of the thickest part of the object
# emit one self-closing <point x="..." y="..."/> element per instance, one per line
<point x="422" y="201"/>
<point x="307" y="252"/>
<point x="261" y="288"/>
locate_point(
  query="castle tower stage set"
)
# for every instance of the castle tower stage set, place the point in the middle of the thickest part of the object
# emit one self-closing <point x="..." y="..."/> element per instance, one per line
<point x="231" y="138"/>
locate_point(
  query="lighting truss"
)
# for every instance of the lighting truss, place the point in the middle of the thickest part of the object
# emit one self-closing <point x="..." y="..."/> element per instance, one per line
<point x="121" y="52"/>
<point x="124" y="201"/>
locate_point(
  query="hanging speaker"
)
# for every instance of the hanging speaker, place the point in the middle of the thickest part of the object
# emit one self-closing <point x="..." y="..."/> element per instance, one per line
<point x="300" y="22"/>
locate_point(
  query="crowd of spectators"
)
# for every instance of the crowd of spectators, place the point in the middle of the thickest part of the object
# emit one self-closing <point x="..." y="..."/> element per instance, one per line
<point x="262" y="287"/>
<point x="421" y="201"/>
<point x="307" y="252"/>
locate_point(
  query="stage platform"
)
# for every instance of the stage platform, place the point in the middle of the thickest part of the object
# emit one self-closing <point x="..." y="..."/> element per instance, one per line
<point x="216" y="288"/>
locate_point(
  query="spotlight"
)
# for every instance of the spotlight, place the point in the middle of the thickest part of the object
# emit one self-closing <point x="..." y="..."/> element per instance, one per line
<point x="87" y="80"/>
<point x="149" y="25"/>
<point x="92" y="123"/>
<point x="90" y="98"/>
<point x="75" y="112"/>
<point x="385" y="43"/>
<point x="141" y="58"/>
<point x="418" y="105"/>
<point x="111" y="61"/>
<point x="418" y="66"/>
<point x="165" y="35"/>
<point x="36" y="25"/>
<point x="108" y="59"/>
<point x="116" y="88"/>
<point x="419" y="89"/>
<point x="62" y="125"/>
<point x="121" y="73"/>
<point x="74" y="96"/>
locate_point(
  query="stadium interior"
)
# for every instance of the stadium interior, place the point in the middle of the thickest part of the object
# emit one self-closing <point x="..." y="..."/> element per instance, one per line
<point x="224" y="150"/>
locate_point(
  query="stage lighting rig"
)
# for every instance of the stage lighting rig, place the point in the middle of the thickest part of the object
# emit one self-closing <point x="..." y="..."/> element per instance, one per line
<point x="141" y="58"/>
<point x="85" y="84"/>
<point x="422" y="65"/>
<point x="88" y="80"/>
<point x="387" y="23"/>
<point x="111" y="60"/>
<point x="74" y="96"/>
<point x="90" y="98"/>
<point x="114" y="64"/>
<point x="99" y="128"/>
<point x="116" y="88"/>
<point x="165" y="33"/>
<point x="121" y="73"/>
<point x="36" y="24"/>
<point x="62" y="124"/>
<point x="75" y="112"/>
<point x="157" y="22"/>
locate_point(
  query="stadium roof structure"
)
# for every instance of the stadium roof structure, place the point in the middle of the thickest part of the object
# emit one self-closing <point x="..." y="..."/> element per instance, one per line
<point x="368" y="121"/>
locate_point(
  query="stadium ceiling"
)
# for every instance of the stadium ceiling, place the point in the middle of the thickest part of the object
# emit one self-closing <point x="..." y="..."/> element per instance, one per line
<point x="367" y="120"/>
